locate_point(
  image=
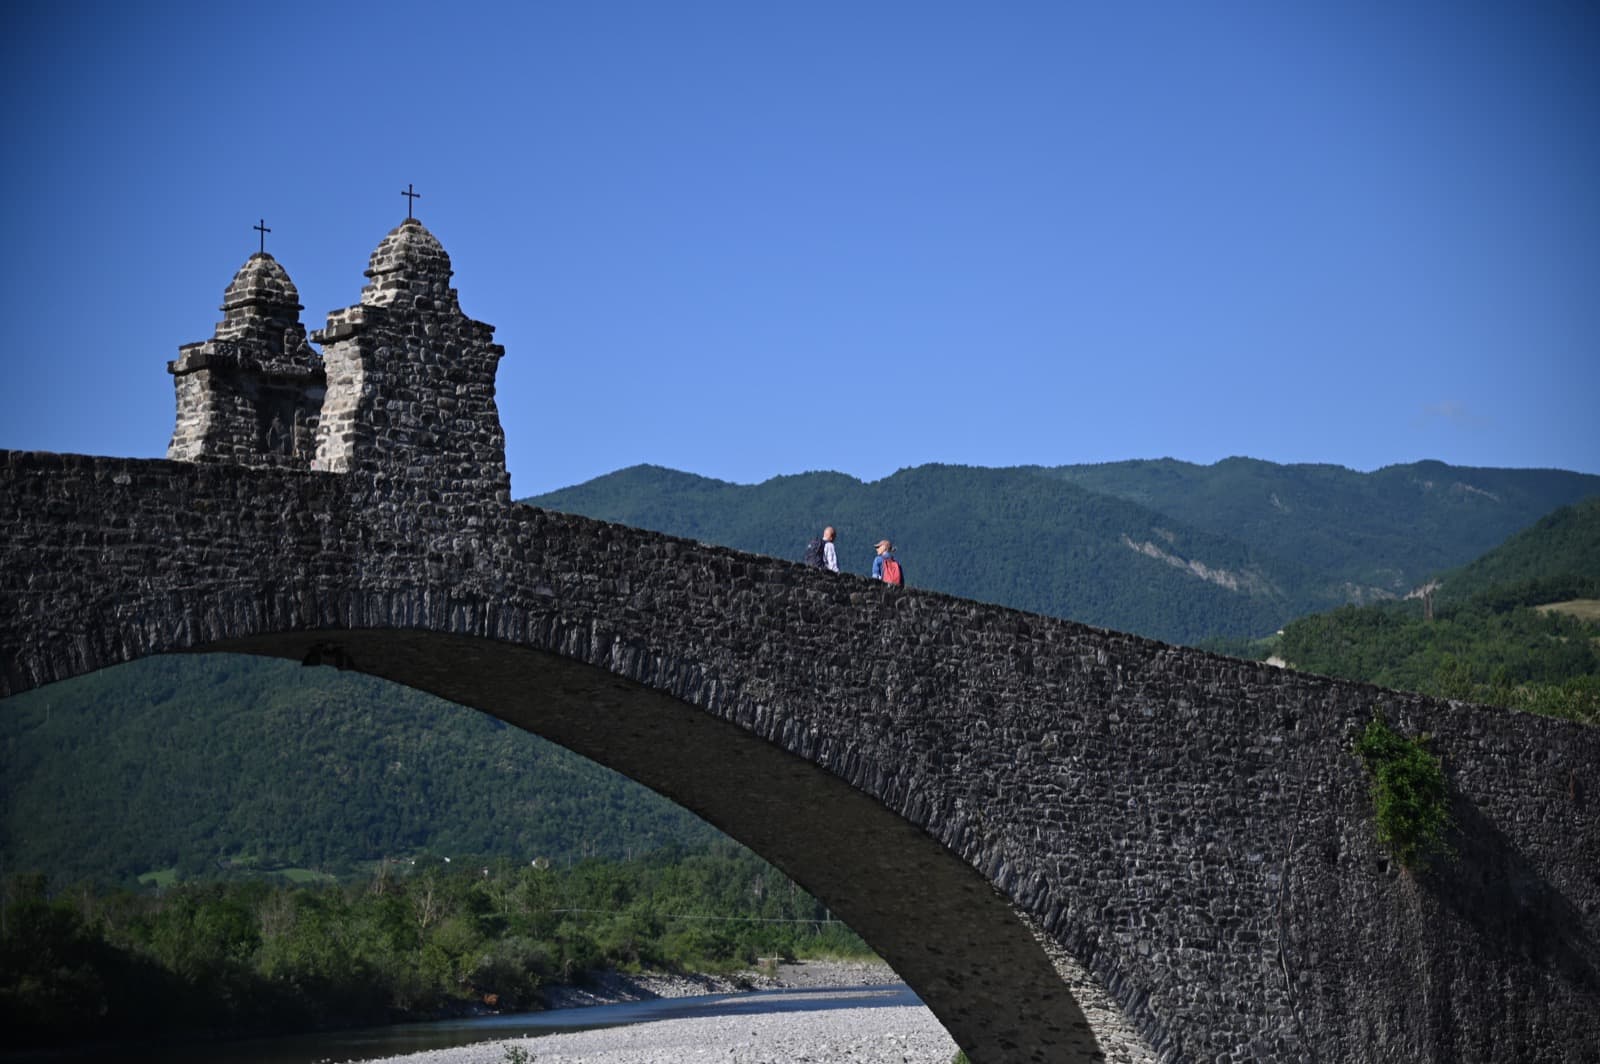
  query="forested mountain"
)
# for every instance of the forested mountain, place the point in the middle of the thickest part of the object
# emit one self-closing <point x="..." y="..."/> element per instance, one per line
<point x="1373" y="533"/>
<point x="1557" y="558"/>
<point x="1001" y="535"/>
<point x="1519" y="627"/>
<point x="1167" y="549"/>
<point x="228" y="764"/>
<point x="218" y="762"/>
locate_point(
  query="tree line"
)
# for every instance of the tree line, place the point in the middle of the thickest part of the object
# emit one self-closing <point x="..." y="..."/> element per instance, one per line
<point x="1518" y="627"/>
<point x="1497" y="648"/>
<point x="407" y="941"/>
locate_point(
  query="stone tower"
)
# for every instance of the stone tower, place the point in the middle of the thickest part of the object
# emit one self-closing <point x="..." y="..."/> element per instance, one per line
<point x="250" y="394"/>
<point x="411" y="378"/>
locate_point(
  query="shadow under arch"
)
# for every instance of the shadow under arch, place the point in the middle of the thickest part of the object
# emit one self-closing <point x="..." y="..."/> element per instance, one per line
<point x="955" y="940"/>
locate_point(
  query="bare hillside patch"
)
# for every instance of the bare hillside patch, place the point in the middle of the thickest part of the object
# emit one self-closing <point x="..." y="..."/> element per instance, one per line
<point x="1587" y="610"/>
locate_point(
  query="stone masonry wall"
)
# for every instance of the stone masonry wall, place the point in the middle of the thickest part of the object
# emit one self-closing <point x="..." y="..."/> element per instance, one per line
<point x="411" y="379"/>
<point x="1193" y="829"/>
<point x="251" y="394"/>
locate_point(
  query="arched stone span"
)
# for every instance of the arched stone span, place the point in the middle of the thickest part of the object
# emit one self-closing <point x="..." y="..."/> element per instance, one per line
<point x="553" y="670"/>
<point x="1192" y="828"/>
<point x="943" y="927"/>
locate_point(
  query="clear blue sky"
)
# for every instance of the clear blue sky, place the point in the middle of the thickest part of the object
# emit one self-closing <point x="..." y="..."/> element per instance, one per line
<point x="753" y="238"/>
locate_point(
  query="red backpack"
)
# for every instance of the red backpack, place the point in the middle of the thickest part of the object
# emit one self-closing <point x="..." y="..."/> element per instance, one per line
<point x="891" y="572"/>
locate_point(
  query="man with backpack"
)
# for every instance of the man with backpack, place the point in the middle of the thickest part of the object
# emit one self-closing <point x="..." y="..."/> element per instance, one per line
<point x="821" y="553"/>
<point x="884" y="566"/>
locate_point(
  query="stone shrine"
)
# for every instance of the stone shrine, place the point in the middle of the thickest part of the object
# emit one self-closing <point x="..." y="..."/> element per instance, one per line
<point x="404" y="387"/>
<point x="250" y="395"/>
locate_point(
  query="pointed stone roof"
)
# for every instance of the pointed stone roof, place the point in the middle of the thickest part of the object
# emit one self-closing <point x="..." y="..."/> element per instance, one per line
<point x="409" y="266"/>
<point x="259" y="296"/>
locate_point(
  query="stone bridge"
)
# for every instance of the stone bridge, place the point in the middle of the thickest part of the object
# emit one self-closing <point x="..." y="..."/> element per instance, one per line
<point x="1069" y="841"/>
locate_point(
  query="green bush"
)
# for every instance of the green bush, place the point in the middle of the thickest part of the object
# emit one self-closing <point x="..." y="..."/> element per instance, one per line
<point x="511" y="972"/>
<point x="1409" y="794"/>
<point x="247" y="956"/>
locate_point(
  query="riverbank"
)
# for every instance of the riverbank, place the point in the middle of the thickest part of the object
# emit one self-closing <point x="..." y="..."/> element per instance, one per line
<point x="871" y="1033"/>
<point x="612" y="987"/>
<point x="867" y="1027"/>
<point x="899" y="1035"/>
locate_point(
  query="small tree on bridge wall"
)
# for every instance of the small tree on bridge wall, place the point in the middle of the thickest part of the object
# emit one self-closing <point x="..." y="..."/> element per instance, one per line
<point x="1409" y="794"/>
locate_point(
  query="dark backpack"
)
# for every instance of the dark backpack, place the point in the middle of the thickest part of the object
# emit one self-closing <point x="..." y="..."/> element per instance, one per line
<point x="813" y="556"/>
<point x="891" y="572"/>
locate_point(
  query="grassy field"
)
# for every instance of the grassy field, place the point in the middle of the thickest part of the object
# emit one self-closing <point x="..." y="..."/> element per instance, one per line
<point x="1583" y="609"/>
<point x="162" y="878"/>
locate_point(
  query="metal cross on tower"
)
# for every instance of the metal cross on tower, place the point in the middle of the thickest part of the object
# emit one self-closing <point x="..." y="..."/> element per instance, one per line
<point x="410" y="195"/>
<point x="261" y="227"/>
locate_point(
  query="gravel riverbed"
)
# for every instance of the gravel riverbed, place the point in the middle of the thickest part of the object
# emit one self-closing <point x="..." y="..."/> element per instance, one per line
<point x="877" y="1034"/>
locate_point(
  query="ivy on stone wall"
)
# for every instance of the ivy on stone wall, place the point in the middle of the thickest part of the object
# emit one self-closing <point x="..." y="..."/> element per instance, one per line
<point x="1409" y="794"/>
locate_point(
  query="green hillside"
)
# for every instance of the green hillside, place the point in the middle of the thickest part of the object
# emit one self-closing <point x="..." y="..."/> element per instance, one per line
<point x="1007" y="536"/>
<point x="1167" y="549"/>
<point x="1488" y="640"/>
<point x="217" y="763"/>
<point x="1557" y="558"/>
<point x="1373" y="534"/>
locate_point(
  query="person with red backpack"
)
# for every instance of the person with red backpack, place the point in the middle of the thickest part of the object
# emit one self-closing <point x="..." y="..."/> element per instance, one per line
<point x="884" y="566"/>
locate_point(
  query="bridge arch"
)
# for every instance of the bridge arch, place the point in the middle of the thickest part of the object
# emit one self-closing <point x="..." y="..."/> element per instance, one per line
<point x="977" y="961"/>
<point x="1193" y="829"/>
<point x="759" y="765"/>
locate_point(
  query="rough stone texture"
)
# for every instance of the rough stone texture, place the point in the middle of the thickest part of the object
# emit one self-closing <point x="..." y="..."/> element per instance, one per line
<point x="1016" y="811"/>
<point x="411" y="378"/>
<point x="1193" y="829"/>
<point x="404" y="386"/>
<point x="251" y="394"/>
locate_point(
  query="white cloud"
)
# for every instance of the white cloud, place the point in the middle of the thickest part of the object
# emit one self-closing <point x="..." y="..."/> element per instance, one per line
<point x="1453" y="412"/>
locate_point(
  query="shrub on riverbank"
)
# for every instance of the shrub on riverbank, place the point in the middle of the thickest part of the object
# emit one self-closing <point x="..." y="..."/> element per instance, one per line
<point x="254" y="957"/>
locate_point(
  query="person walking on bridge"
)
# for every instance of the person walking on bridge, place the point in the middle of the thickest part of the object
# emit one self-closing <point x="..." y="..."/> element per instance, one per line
<point x="821" y="552"/>
<point x="885" y="567"/>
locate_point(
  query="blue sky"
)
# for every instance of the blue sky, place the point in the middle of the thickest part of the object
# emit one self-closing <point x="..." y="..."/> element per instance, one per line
<point x="750" y="239"/>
